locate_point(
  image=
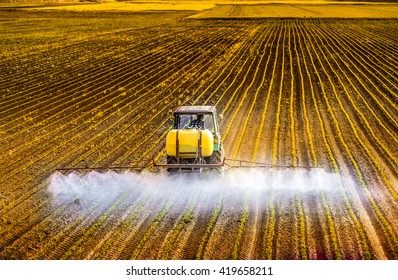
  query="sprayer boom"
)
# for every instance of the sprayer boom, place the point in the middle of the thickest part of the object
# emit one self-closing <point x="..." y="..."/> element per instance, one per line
<point x="136" y="165"/>
<point x="225" y="165"/>
<point x="193" y="144"/>
<point x="237" y="163"/>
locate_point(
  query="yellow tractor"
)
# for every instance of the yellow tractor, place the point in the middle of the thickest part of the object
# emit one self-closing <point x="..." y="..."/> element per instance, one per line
<point x="194" y="142"/>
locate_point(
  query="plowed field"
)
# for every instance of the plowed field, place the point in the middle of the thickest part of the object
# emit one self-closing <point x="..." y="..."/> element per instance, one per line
<point x="91" y="89"/>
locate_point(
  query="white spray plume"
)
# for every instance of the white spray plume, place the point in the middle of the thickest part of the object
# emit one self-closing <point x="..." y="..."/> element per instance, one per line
<point x="104" y="188"/>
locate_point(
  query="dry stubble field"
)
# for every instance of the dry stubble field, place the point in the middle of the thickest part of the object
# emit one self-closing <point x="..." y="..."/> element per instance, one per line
<point x="96" y="88"/>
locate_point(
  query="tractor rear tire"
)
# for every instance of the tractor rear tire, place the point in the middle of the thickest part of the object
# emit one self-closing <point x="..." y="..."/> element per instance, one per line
<point x="171" y="160"/>
<point x="217" y="158"/>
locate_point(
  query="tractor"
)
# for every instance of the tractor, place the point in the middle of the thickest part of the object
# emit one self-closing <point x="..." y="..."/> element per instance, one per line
<point x="194" y="142"/>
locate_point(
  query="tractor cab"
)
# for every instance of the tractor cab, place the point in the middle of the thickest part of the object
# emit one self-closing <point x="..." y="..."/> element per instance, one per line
<point x="186" y="116"/>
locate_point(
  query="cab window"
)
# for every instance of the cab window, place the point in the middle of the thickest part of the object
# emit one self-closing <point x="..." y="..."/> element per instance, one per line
<point x="182" y="121"/>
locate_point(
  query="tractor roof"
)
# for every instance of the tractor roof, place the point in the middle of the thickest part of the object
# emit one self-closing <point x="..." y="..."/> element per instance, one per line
<point x="195" y="109"/>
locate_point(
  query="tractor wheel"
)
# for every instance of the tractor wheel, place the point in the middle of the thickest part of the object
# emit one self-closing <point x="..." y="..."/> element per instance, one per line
<point x="171" y="160"/>
<point x="217" y="158"/>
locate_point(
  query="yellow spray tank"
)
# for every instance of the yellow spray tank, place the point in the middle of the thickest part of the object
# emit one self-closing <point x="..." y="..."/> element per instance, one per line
<point x="189" y="143"/>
